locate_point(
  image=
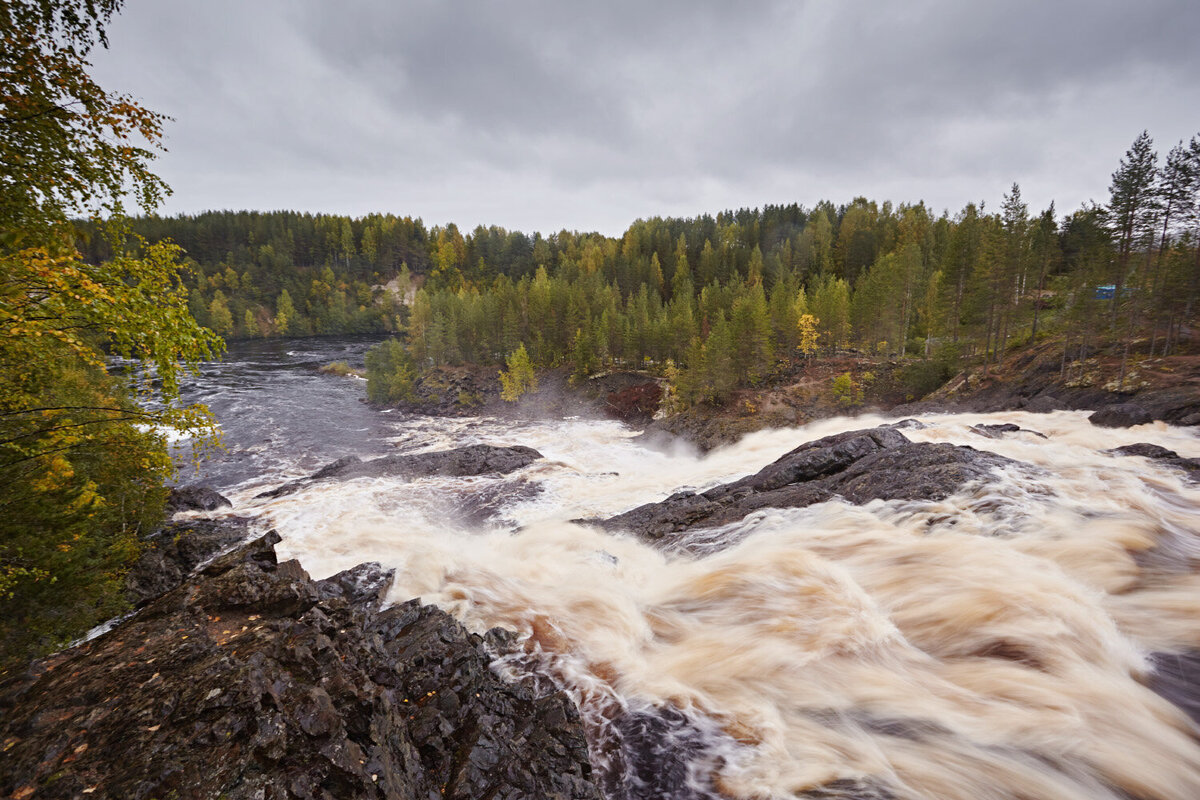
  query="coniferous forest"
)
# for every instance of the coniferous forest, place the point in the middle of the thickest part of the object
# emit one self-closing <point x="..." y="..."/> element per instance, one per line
<point x="719" y="302"/>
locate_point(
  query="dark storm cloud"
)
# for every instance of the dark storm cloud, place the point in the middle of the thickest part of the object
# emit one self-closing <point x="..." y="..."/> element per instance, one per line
<point x="549" y="115"/>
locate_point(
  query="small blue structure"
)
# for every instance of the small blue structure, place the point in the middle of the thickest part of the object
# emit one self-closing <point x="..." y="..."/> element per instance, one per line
<point x="1105" y="292"/>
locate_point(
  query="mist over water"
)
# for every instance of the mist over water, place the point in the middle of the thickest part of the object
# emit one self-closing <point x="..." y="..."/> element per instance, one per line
<point x="991" y="645"/>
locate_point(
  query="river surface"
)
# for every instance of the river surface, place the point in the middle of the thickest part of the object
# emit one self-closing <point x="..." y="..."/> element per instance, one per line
<point x="992" y="645"/>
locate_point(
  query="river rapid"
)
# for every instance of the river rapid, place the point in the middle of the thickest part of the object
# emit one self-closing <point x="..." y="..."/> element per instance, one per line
<point x="991" y="645"/>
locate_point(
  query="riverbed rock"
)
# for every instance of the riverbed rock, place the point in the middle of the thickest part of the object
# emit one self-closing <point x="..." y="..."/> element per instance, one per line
<point x="475" y="459"/>
<point x="195" y="498"/>
<point x="475" y="506"/>
<point x="858" y="466"/>
<point x="251" y="680"/>
<point x="1176" y="676"/>
<point x="1191" y="466"/>
<point x="1121" y="415"/>
<point x="998" y="431"/>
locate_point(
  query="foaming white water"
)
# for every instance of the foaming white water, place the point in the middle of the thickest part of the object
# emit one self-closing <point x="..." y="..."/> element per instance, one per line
<point x="991" y="645"/>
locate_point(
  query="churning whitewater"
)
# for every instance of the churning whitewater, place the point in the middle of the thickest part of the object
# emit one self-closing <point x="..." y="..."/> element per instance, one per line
<point x="991" y="645"/>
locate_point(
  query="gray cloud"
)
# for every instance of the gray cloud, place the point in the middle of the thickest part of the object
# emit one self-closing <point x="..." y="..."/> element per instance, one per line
<point x="546" y="115"/>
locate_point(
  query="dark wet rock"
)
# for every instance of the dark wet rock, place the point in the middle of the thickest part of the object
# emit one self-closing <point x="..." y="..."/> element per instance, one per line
<point x="909" y="424"/>
<point x="475" y="459"/>
<point x="858" y="466"/>
<point x="1162" y="455"/>
<point x="177" y="548"/>
<point x="365" y="586"/>
<point x="1176" y="677"/>
<point x="659" y="752"/>
<point x="195" y="498"/>
<point x="998" y="431"/>
<point x="253" y="681"/>
<point x="1043" y="404"/>
<point x="1121" y="415"/>
<point x="1144" y="449"/>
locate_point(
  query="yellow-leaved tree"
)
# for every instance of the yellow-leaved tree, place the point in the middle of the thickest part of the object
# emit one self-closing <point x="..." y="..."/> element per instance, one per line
<point x="519" y="379"/>
<point x="83" y="452"/>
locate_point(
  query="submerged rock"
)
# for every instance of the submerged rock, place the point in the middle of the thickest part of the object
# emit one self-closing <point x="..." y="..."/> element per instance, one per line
<point x="252" y="680"/>
<point x="1176" y="677"/>
<point x="998" y="431"/>
<point x="475" y="459"/>
<point x="858" y="466"/>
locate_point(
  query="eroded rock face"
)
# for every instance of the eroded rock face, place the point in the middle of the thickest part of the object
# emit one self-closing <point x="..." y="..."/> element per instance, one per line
<point x="859" y="466"/>
<point x="251" y="680"/>
<point x="476" y="459"/>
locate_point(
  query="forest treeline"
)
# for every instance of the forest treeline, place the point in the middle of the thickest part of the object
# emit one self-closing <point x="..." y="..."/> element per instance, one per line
<point x="725" y="300"/>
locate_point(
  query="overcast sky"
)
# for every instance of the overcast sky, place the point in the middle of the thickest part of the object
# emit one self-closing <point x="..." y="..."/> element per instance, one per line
<point x="586" y="116"/>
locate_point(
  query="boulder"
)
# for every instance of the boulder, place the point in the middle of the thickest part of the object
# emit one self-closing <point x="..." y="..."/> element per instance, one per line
<point x="998" y="431"/>
<point x="475" y="459"/>
<point x="1144" y="449"/>
<point x="1190" y="466"/>
<point x="1121" y="415"/>
<point x="858" y="466"/>
<point x="195" y="498"/>
<point x="251" y="680"/>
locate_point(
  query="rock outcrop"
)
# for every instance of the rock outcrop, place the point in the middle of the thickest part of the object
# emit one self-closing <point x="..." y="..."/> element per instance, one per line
<point x="195" y="498"/>
<point x="177" y="548"/>
<point x="475" y="459"/>
<point x="858" y="466"/>
<point x="251" y="680"/>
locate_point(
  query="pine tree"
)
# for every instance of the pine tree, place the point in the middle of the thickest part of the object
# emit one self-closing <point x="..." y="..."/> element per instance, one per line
<point x="1132" y="208"/>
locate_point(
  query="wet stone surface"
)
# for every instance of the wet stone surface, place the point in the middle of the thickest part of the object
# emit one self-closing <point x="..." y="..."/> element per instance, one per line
<point x="251" y="680"/>
<point x="476" y="459"/>
<point x="858" y="466"/>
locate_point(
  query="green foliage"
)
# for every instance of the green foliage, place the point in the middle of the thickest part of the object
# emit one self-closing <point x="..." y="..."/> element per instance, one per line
<point x="82" y="455"/>
<point x="391" y="373"/>
<point x="67" y="146"/>
<point x="848" y="392"/>
<point x="519" y="379"/>
<point x="82" y="483"/>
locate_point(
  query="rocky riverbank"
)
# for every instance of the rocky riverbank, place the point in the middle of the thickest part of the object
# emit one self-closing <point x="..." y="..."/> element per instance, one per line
<point x="1035" y="379"/>
<point x="251" y="680"/>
